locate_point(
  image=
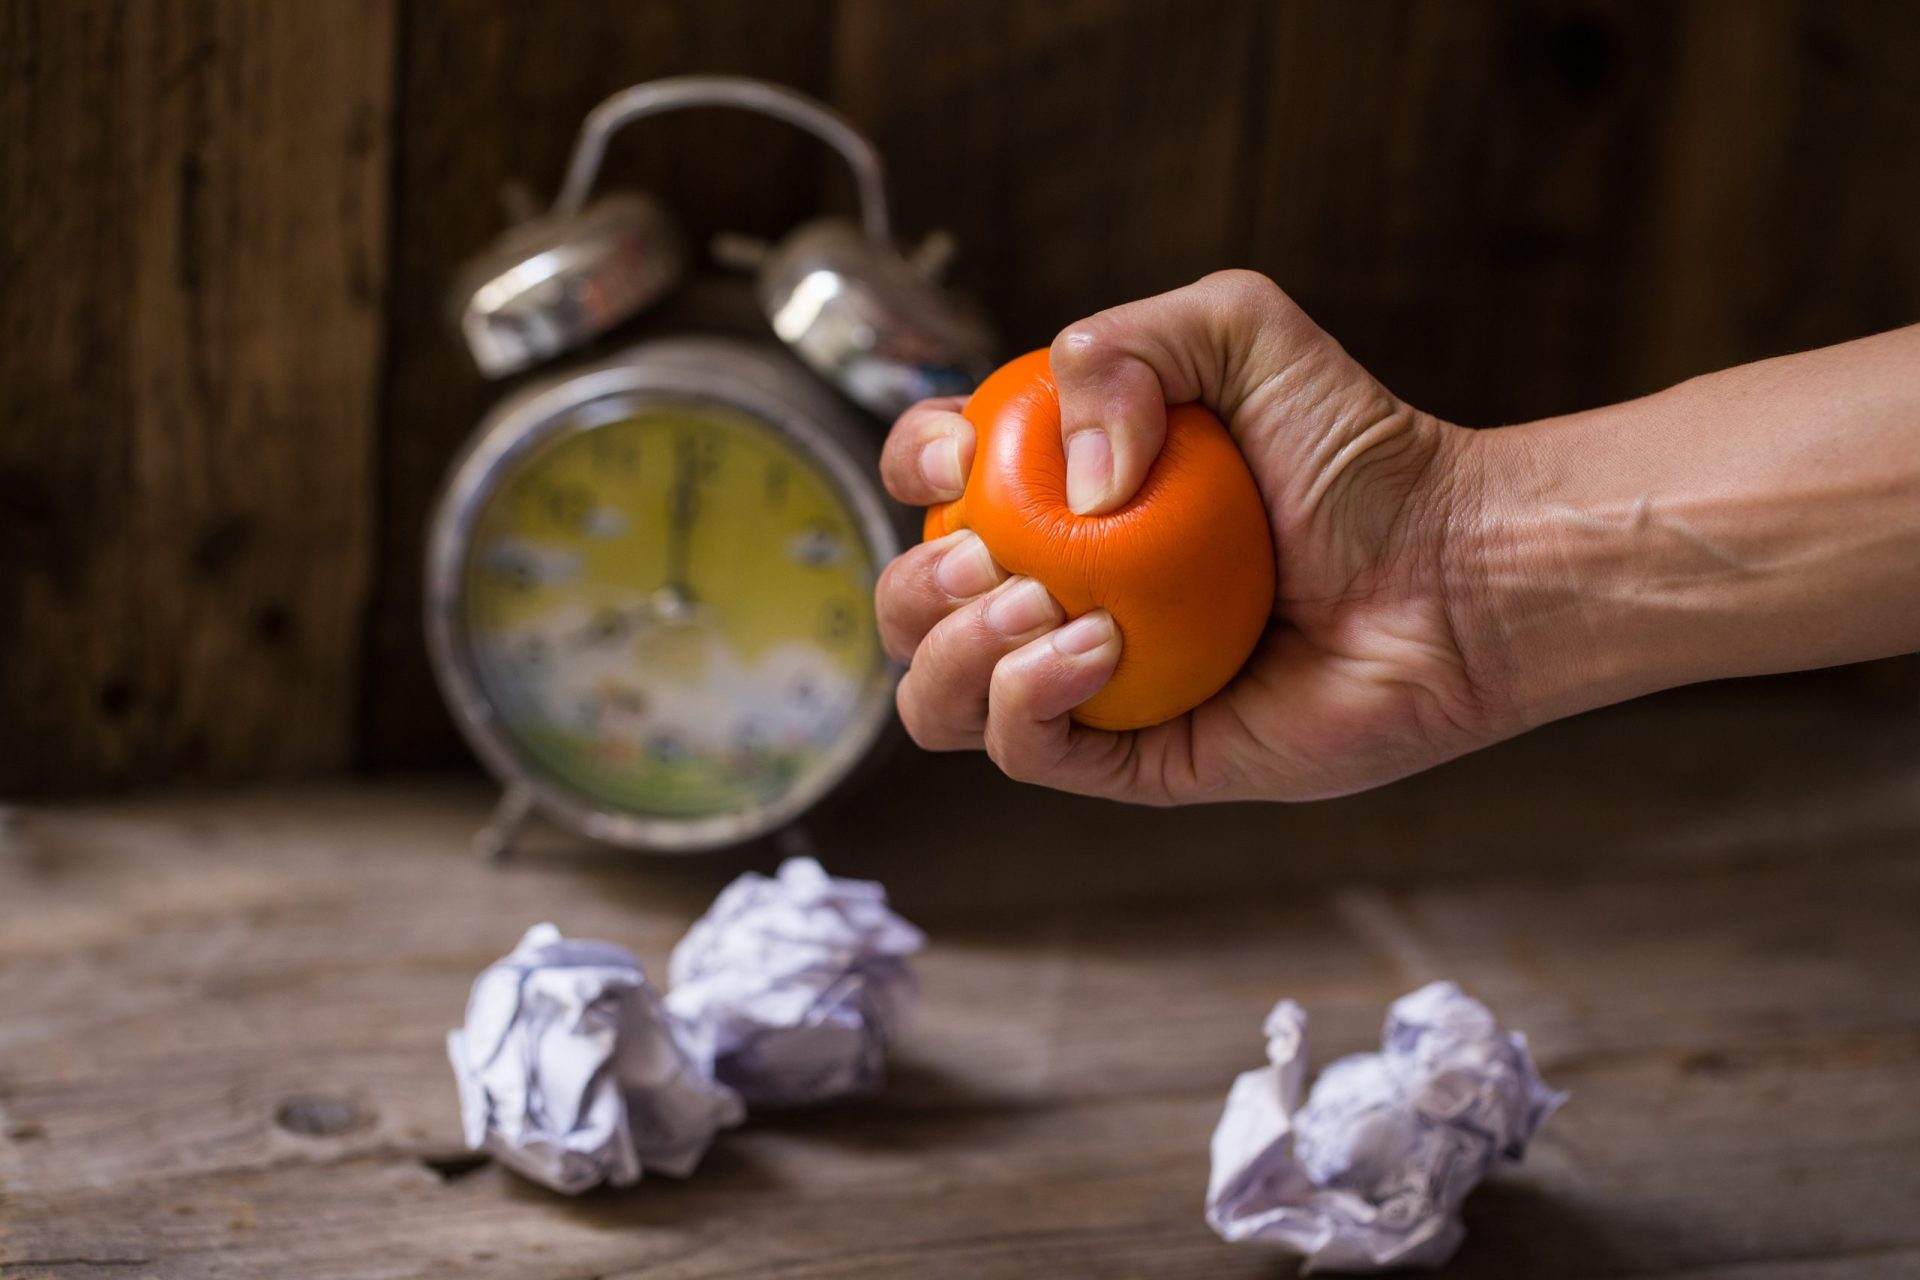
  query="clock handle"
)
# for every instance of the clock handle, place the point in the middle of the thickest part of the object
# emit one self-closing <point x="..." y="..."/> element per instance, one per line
<point x="678" y="93"/>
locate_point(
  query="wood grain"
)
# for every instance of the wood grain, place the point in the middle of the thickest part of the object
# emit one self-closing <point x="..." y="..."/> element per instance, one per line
<point x="221" y="1020"/>
<point x="1083" y="154"/>
<point x="1449" y="190"/>
<point x="193" y="244"/>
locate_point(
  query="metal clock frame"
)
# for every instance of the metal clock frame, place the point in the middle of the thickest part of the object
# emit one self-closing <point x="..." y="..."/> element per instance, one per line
<point x="765" y="385"/>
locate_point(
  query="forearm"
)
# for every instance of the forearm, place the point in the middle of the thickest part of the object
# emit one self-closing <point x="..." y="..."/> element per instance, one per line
<point x="1762" y="519"/>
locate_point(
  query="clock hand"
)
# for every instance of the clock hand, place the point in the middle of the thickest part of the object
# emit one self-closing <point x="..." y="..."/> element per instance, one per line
<point x="683" y="510"/>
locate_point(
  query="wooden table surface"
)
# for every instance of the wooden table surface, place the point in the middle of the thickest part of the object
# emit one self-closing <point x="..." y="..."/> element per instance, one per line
<point x="221" y="1018"/>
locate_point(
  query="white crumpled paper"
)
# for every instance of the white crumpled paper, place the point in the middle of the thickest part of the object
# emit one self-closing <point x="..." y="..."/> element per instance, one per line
<point x="1371" y="1171"/>
<point x="791" y="987"/>
<point x="569" y="1071"/>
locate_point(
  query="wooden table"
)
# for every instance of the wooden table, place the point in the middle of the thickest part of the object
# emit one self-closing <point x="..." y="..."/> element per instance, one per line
<point x="221" y="1017"/>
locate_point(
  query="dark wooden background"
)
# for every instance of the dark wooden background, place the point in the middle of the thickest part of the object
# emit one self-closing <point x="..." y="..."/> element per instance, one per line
<point x="225" y="228"/>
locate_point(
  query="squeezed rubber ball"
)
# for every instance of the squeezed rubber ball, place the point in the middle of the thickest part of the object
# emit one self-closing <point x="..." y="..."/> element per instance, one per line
<point x="1185" y="568"/>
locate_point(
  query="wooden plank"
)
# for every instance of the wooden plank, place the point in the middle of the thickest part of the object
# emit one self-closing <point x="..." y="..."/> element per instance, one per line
<point x="192" y="231"/>
<point x="1892" y="1264"/>
<point x="1717" y="967"/>
<point x="494" y="94"/>
<point x="1515" y="211"/>
<point x="1084" y="154"/>
<point x="1511" y="211"/>
<point x="1450" y="191"/>
<point x="1782" y="209"/>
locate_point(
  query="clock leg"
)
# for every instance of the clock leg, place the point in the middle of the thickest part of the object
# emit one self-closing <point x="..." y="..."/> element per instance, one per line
<point x="795" y="841"/>
<point x="494" y="842"/>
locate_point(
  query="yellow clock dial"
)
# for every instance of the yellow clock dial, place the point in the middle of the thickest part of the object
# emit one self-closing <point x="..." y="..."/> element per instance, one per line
<point x="672" y="612"/>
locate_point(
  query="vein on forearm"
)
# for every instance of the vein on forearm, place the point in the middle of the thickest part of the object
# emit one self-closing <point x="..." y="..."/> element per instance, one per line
<point x="1756" y="520"/>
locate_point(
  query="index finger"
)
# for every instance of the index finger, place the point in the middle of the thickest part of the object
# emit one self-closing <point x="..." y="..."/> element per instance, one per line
<point x="928" y="453"/>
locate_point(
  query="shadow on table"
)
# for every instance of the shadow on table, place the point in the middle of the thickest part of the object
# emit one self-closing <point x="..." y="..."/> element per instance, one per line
<point x="1711" y="780"/>
<point x="1517" y="1229"/>
<point x="1702" y="778"/>
<point x="921" y="1108"/>
<point x="730" y="1168"/>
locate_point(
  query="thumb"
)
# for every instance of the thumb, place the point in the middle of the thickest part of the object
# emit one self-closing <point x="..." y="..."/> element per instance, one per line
<point x="1113" y="413"/>
<point x="1119" y="370"/>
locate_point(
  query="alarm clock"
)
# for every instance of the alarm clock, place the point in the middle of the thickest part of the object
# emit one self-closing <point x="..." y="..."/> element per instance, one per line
<point x="649" y="579"/>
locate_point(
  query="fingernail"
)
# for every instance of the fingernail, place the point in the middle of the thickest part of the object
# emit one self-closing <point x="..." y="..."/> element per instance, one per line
<point x="940" y="466"/>
<point x="1089" y="469"/>
<point x="1023" y="605"/>
<point x="967" y="569"/>
<point x="1085" y="633"/>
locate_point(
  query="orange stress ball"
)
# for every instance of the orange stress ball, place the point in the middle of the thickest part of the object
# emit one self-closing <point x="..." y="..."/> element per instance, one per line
<point x="1185" y="567"/>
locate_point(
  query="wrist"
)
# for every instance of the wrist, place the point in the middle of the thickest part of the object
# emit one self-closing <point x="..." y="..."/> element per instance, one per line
<point x="1527" y="612"/>
<point x="1448" y="556"/>
<point x="1761" y="519"/>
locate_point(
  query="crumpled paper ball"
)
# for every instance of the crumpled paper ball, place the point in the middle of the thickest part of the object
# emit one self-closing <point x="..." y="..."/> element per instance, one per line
<point x="570" y="1074"/>
<point x="791" y="987"/>
<point x="1371" y="1171"/>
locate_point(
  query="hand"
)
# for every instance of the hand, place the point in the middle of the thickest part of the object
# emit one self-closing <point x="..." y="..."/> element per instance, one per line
<point x="1359" y="679"/>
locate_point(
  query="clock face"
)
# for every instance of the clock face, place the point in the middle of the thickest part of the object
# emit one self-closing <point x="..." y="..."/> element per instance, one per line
<point x="669" y="612"/>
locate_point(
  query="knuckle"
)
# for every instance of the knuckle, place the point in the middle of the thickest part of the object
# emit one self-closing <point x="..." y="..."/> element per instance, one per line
<point x="901" y="454"/>
<point x="932" y="670"/>
<point x="947" y="660"/>
<point x="912" y="429"/>
<point x="1081" y="344"/>
<point x="891" y="638"/>
<point x="890" y="609"/>
<point x="912" y="418"/>
<point x="1009" y="761"/>
<point x="1245" y="290"/>
<point x="971" y="640"/>
<point x="896" y="640"/>
<point x="929" y="420"/>
<point x="1003" y="710"/>
<point x="1241" y="281"/>
<point x="913" y="717"/>
<point x="1006" y="690"/>
<point x="931" y="404"/>
<point x="897" y="464"/>
<point x="908" y="575"/>
<point x="888" y="587"/>
<point x="900" y="434"/>
<point x="909" y="711"/>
